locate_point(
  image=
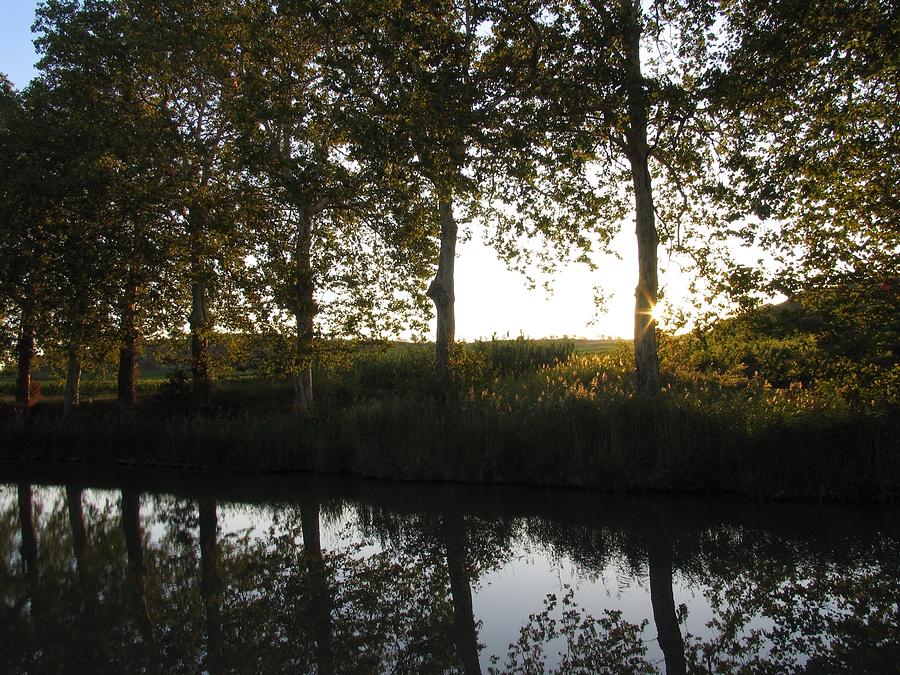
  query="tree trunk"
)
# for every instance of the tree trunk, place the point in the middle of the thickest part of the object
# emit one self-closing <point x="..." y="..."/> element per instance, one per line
<point x="320" y="607"/>
<point x="663" y="601"/>
<point x="304" y="313"/>
<point x="28" y="548"/>
<point x="76" y="523"/>
<point x="25" y="356"/>
<point x="127" y="386"/>
<point x="211" y="584"/>
<point x="442" y="294"/>
<point x="646" y="355"/>
<point x="464" y="631"/>
<point x="73" y="379"/>
<point x="199" y="323"/>
<point x="199" y="319"/>
<point x="134" y="545"/>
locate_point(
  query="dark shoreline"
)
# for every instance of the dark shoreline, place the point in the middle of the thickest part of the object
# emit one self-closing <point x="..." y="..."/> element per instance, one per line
<point x="697" y="510"/>
<point x="677" y="454"/>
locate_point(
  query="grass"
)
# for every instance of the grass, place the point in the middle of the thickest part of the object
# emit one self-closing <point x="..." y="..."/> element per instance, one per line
<point x="521" y="413"/>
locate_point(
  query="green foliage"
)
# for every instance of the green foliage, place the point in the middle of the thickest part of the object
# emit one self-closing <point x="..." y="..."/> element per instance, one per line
<point x="807" y="99"/>
<point x="841" y="341"/>
<point x="577" y="422"/>
<point x="279" y="164"/>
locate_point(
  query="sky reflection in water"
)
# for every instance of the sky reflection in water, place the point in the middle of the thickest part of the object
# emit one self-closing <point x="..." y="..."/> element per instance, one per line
<point x="321" y="575"/>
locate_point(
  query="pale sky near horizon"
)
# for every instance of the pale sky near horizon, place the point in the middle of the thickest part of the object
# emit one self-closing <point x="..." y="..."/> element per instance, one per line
<point x="489" y="298"/>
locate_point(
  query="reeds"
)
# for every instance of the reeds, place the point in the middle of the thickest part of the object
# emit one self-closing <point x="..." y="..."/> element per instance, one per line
<point x="573" y="421"/>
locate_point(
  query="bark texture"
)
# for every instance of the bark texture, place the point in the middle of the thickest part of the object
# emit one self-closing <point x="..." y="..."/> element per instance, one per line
<point x="646" y="355"/>
<point x="304" y="313"/>
<point x="25" y="359"/>
<point x="200" y="320"/>
<point x="442" y="294"/>
<point x="199" y="324"/>
<point x="127" y="386"/>
<point x="73" y="379"/>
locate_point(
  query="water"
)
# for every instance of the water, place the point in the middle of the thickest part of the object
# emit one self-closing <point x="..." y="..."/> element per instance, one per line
<point x="137" y="571"/>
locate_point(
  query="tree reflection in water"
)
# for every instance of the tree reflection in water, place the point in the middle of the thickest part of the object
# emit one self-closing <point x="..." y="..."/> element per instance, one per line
<point x="211" y="583"/>
<point x="465" y="630"/>
<point x="95" y="583"/>
<point x="79" y="531"/>
<point x="134" y="545"/>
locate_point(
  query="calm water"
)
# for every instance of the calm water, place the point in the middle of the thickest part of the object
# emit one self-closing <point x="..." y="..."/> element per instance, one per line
<point x="130" y="572"/>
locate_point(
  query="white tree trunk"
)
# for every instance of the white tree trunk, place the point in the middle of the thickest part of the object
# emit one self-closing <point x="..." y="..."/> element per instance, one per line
<point x="646" y="355"/>
<point x="441" y="291"/>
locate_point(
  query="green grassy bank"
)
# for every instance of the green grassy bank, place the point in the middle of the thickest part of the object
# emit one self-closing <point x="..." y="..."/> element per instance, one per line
<point x="529" y="413"/>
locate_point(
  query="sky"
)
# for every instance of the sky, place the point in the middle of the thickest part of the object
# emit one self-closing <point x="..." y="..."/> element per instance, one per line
<point x="490" y="300"/>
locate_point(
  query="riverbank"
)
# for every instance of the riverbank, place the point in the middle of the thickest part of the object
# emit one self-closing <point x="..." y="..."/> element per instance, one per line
<point x="575" y="423"/>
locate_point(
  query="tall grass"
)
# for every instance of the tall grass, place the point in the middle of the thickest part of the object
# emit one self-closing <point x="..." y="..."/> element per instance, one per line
<point x="521" y="414"/>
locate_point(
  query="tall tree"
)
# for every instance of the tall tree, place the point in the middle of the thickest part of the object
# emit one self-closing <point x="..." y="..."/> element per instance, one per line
<point x="344" y="247"/>
<point x="425" y="96"/>
<point x="91" y="57"/>
<point x="25" y="194"/>
<point x="446" y="86"/>
<point x="622" y="84"/>
<point x="81" y="262"/>
<point x="190" y="64"/>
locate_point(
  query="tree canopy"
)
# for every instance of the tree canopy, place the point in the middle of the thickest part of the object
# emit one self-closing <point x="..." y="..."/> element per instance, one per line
<point x="302" y="169"/>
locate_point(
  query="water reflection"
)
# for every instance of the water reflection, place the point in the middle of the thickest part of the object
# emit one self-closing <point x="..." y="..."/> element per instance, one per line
<point x="212" y="583"/>
<point x="153" y="573"/>
<point x="659" y="562"/>
<point x="465" y="632"/>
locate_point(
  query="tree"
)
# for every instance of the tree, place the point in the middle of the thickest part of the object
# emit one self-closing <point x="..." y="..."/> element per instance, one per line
<point x="622" y="86"/>
<point x="25" y="191"/>
<point x="92" y="62"/>
<point x="189" y="64"/>
<point x="424" y="55"/>
<point x="446" y="91"/>
<point x="80" y="260"/>
<point x="808" y="95"/>
<point x="345" y="245"/>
